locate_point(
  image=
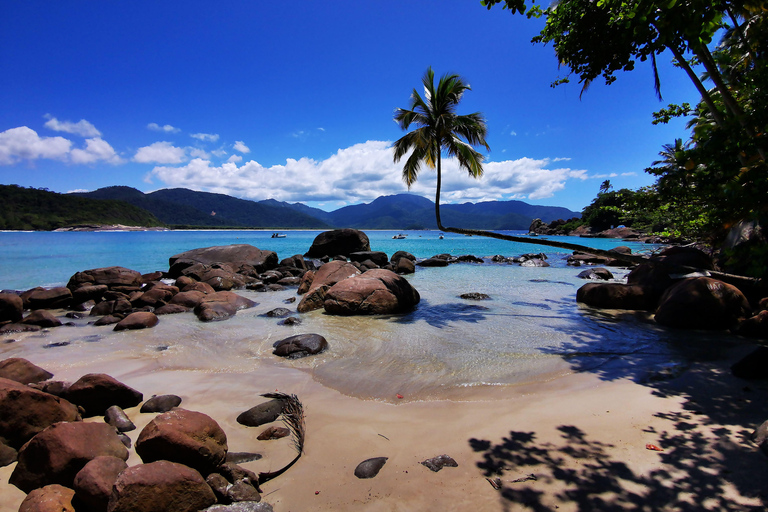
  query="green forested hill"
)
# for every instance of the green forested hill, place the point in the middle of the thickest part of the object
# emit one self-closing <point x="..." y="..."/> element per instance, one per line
<point x="34" y="209"/>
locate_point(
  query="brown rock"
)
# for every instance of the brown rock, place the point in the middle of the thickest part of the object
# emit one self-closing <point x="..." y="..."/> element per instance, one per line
<point x="189" y="298"/>
<point x="51" y="498"/>
<point x="115" y="278"/>
<point x="221" y="305"/>
<point x="273" y="432"/>
<point x="338" y="241"/>
<point x="22" y="371"/>
<point x="53" y="298"/>
<point x="306" y="282"/>
<point x="11" y="307"/>
<point x="702" y="303"/>
<point x="97" y="392"/>
<point x="94" y="292"/>
<point x="160" y="486"/>
<point x="171" y="309"/>
<point x="93" y="484"/>
<point x="41" y="318"/>
<point x="198" y="287"/>
<point x="301" y="345"/>
<point x="58" y="453"/>
<point x="137" y="320"/>
<point x="187" y="437"/>
<point x="325" y="277"/>
<point x="27" y="411"/>
<point x="375" y="292"/>
<point x="755" y="327"/>
<point x="617" y="296"/>
<point x="234" y="255"/>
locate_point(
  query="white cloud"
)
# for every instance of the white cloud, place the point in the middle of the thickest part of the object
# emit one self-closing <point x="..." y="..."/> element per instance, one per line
<point x="24" y="143"/>
<point x="241" y="147"/>
<point x="205" y="137"/>
<point x="160" y="153"/>
<point x="219" y="153"/>
<point x="199" y="153"/>
<point x="165" y="128"/>
<point x="602" y="176"/>
<point x="629" y="174"/>
<point x="82" y="127"/>
<point x="96" y="150"/>
<point x="363" y="172"/>
<point x="513" y="133"/>
<point x="235" y="158"/>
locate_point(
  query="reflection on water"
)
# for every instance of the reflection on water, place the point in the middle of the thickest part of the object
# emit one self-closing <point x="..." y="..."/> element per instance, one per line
<point x="531" y="329"/>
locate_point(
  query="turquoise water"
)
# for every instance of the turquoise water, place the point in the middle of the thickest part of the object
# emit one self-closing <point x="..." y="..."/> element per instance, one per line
<point x="29" y="259"/>
<point x="531" y="329"/>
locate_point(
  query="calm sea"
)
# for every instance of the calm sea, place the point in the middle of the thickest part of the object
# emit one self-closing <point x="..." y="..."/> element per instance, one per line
<point x="531" y="328"/>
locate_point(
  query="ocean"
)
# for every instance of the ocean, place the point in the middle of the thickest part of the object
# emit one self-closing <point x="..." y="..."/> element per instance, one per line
<point x="531" y="330"/>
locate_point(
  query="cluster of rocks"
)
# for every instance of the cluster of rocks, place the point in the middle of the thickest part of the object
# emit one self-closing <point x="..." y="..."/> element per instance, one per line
<point x="64" y="463"/>
<point x="681" y="298"/>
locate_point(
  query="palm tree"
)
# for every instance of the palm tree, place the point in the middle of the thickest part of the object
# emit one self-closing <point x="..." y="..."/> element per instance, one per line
<point x="439" y="129"/>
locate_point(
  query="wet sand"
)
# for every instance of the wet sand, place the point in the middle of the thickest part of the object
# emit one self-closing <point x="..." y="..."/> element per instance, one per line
<point x="583" y="436"/>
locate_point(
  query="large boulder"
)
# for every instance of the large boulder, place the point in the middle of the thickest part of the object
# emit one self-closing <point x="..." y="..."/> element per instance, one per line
<point x="22" y="371"/>
<point x="41" y="318"/>
<point x="160" y="487"/>
<point x="377" y="257"/>
<point x="47" y="298"/>
<point x="377" y="291"/>
<point x="93" y="484"/>
<point x="221" y="305"/>
<point x="755" y="327"/>
<point x="189" y="299"/>
<point x="11" y="307"/>
<point x="338" y="241"/>
<point x="236" y="256"/>
<point x="702" y="303"/>
<point x="617" y="296"/>
<point x="115" y="278"/>
<point x="97" y="392"/>
<point x="325" y="277"/>
<point x="137" y="320"/>
<point x="51" y="498"/>
<point x="58" y="453"/>
<point x="187" y="437"/>
<point x="25" y="411"/>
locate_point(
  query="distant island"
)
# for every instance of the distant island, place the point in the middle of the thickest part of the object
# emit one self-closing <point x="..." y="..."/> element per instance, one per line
<point x="179" y="208"/>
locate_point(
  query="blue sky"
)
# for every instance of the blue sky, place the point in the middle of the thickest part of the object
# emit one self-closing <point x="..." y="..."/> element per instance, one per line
<point x="294" y="101"/>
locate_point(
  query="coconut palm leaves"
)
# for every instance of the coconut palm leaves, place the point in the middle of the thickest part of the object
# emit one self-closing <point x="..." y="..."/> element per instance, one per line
<point x="439" y="129"/>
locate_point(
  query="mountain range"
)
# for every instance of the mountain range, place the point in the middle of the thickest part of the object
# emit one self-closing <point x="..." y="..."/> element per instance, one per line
<point x="182" y="207"/>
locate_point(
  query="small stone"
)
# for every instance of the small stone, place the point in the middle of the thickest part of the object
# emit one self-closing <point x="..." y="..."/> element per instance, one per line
<point x="291" y="320"/>
<point x="369" y="468"/>
<point x="439" y="462"/>
<point x="258" y="415"/>
<point x="278" y="313"/>
<point x="116" y="417"/>
<point x="273" y="433"/>
<point x="474" y="296"/>
<point x="161" y="403"/>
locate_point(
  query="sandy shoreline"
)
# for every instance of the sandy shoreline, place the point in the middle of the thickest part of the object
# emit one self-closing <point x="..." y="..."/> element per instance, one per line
<point x="582" y="437"/>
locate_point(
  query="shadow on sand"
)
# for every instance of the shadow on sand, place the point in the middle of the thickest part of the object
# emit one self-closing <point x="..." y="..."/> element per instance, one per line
<point x="708" y="462"/>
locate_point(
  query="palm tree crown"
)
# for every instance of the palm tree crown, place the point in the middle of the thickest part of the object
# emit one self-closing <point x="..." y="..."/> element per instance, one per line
<point x="439" y="129"/>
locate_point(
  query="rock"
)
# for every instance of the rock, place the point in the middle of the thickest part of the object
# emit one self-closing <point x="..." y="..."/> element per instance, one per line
<point x="617" y="296"/>
<point x="474" y="296"/>
<point x="161" y="403"/>
<point x="27" y="411"/>
<point x="160" y="486"/>
<point x="534" y="262"/>
<point x="115" y="278"/>
<point x="116" y="417"/>
<point x="243" y="491"/>
<point x="338" y="241"/>
<point x="754" y="327"/>
<point x="156" y="295"/>
<point x="221" y="305"/>
<point x="753" y="366"/>
<point x="58" y="453"/>
<point x="760" y="437"/>
<point x="183" y="281"/>
<point x="258" y="415"/>
<point x="278" y="313"/>
<point x="306" y="282"/>
<point x="301" y="345"/>
<point x="370" y="468"/>
<point x="93" y="484"/>
<point x="97" y="392"/>
<point x="53" y="298"/>
<point x="108" y="320"/>
<point x="94" y="292"/>
<point x="598" y="273"/>
<point x="12" y="328"/>
<point x="291" y="320"/>
<point x="243" y="506"/>
<point x="702" y="303"/>
<point x="137" y="320"/>
<point x="22" y="371"/>
<point x="434" y="262"/>
<point x="51" y="498"/>
<point x="441" y="461"/>
<point x="375" y="292"/>
<point x="8" y="455"/>
<point x="377" y="257"/>
<point x="296" y="261"/>
<point x="241" y="457"/>
<point x="273" y="432"/>
<point x="11" y="307"/>
<point x="187" y="437"/>
<point x="189" y="298"/>
<point x="198" y="287"/>
<point x="674" y="258"/>
<point x="404" y="266"/>
<point x="325" y="277"/>
<point x="171" y="309"/>
<point x="237" y="256"/>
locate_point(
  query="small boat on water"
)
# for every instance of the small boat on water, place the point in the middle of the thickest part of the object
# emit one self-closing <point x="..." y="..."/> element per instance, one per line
<point x="278" y="235"/>
<point x="399" y="237"/>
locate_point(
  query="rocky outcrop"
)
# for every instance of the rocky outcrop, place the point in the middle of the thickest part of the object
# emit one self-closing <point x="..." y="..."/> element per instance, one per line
<point x="325" y="277"/>
<point x="187" y="437"/>
<point x="237" y="256"/>
<point x="27" y="411"/>
<point x="58" y="453"/>
<point x="338" y="241"/>
<point x="702" y="303"/>
<point x="374" y="292"/>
